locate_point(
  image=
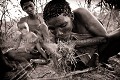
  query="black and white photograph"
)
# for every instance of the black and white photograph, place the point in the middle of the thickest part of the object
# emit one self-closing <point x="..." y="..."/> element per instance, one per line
<point x="59" y="40"/>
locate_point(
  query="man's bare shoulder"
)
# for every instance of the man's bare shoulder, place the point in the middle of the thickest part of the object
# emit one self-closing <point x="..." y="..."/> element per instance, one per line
<point x="81" y="11"/>
<point x="23" y="19"/>
<point x="40" y="14"/>
<point x="84" y="15"/>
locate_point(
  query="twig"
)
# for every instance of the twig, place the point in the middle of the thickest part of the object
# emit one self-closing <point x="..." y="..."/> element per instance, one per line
<point x="109" y="20"/>
<point x="44" y="75"/>
<point x="23" y="69"/>
<point x="70" y="74"/>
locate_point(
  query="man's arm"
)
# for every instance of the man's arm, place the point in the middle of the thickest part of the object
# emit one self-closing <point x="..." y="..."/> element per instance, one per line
<point x="45" y="32"/>
<point x="40" y="49"/>
<point x="89" y="41"/>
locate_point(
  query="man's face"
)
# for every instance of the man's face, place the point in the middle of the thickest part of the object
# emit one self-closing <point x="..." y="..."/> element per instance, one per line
<point x="28" y="7"/>
<point x="60" y="26"/>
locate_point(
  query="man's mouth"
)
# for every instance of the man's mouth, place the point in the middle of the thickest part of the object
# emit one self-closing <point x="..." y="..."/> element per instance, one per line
<point x="63" y="37"/>
<point x="30" y="12"/>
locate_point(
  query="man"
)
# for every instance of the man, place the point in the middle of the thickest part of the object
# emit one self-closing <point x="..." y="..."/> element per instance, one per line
<point x="63" y="23"/>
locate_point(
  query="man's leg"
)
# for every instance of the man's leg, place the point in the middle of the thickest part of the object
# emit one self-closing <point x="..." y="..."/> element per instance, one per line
<point x="20" y="56"/>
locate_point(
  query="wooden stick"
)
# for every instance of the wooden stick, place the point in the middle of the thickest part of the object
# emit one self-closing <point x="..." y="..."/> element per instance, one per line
<point x="70" y="74"/>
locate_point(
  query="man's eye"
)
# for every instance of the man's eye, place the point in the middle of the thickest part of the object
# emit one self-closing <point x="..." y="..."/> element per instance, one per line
<point x="30" y="6"/>
<point x="63" y="25"/>
<point x="25" y="8"/>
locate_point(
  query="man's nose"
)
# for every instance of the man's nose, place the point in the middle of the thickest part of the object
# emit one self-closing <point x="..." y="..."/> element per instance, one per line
<point x="29" y="9"/>
<point x="59" y="32"/>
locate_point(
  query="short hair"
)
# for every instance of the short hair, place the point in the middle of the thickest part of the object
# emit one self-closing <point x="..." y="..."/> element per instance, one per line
<point x="55" y="8"/>
<point x="24" y="1"/>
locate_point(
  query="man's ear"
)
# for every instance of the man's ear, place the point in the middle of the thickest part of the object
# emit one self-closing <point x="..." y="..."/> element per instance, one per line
<point x="72" y="16"/>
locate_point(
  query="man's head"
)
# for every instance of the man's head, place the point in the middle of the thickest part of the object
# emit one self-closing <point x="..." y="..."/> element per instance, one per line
<point x="58" y="17"/>
<point x="28" y="6"/>
<point x="55" y="8"/>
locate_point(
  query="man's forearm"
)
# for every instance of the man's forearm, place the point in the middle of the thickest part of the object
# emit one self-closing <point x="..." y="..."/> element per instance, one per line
<point x="90" y="41"/>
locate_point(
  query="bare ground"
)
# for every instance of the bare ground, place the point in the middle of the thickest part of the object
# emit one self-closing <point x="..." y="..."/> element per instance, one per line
<point x="48" y="72"/>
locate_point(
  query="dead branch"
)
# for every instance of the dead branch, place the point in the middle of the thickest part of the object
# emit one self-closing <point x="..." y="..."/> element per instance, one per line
<point x="70" y="74"/>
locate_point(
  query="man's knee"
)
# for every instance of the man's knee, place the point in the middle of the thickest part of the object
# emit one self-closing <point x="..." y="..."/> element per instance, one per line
<point x="10" y="55"/>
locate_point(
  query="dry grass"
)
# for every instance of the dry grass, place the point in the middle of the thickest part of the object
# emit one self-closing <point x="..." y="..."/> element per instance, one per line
<point x="66" y="49"/>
